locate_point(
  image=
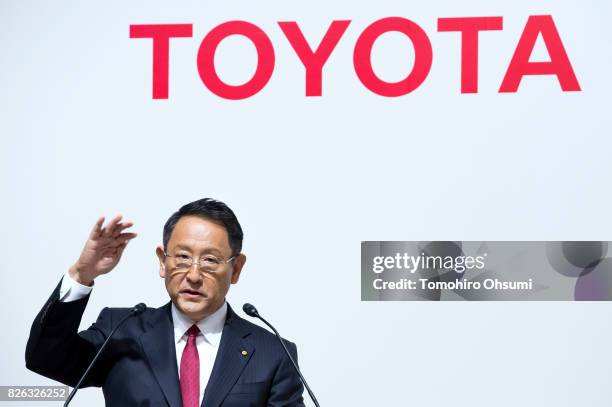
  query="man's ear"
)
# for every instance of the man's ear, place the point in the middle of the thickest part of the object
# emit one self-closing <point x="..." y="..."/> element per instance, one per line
<point x="237" y="267"/>
<point x="159" y="251"/>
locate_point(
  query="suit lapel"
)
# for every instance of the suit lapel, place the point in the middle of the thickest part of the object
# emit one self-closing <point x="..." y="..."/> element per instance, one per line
<point x="233" y="355"/>
<point x="158" y="345"/>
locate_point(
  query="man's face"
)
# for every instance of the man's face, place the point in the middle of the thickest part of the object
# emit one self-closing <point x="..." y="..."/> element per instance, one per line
<point x="195" y="292"/>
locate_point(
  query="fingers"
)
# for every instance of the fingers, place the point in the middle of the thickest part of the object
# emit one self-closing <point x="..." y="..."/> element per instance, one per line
<point x="115" y="251"/>
<point x="121" y="227"/>
<point x="109" y="230"/>
<point x="126" y="237"/>
<point x="115" y="227"/>
<point x="119" y="240"/>
<point x="97" y="228"/>
<point x="121" y="248"/>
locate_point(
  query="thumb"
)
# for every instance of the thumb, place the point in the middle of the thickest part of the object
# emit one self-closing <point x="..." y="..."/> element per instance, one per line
<point x="120" y="249"/>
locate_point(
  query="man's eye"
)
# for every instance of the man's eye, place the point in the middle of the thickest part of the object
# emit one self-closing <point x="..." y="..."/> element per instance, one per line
<point x="210" y="260"/>
<point x="182" y="257"/>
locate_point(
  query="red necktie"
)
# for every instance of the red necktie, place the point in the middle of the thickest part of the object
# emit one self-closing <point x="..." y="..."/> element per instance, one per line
<point x="190" y="370"/>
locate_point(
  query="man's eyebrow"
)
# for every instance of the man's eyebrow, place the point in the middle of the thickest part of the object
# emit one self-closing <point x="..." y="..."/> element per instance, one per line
<point x="208" y="250"/>
<point x="180" y="246"/>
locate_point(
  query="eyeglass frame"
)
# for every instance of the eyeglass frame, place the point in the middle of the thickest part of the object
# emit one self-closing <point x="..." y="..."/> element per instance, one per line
<point x="198" y="262"/>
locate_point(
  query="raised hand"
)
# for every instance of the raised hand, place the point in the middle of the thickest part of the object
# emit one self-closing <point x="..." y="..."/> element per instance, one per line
<point x="102" y="250"/>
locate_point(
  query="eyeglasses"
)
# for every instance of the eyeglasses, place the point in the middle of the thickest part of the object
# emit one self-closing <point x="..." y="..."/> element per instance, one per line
<point x="208" y="263"/>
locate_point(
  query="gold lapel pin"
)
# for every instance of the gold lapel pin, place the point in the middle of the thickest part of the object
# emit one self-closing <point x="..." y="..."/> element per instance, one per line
<point x="244" y="353"/>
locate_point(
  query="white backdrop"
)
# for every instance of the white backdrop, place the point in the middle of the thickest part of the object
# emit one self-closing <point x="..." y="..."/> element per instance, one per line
<point x="309" y="179"/>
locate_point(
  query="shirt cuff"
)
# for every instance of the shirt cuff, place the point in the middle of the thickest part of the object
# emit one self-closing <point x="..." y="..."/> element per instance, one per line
<point x="71" y="290"/>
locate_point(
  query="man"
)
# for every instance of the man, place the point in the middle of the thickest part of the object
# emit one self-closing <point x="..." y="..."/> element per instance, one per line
<point x="193" y="351"/>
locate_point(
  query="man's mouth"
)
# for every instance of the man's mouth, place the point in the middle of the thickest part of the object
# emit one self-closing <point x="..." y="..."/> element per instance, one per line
<point x="191" y="293"/>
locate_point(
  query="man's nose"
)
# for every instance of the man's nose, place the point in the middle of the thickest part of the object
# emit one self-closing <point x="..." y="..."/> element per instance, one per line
<point x="193" y="274"/>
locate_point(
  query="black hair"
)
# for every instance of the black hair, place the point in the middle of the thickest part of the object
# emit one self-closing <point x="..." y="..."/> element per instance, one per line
<point x="210" y="209"/>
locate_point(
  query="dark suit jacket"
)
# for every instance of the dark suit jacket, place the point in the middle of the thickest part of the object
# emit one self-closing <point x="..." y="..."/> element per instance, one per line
<point x="138" y="366"/>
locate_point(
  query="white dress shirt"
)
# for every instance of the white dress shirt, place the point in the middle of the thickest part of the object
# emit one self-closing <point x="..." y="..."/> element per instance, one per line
<point x="71" y="290"/>
<point x="207" y="341"/>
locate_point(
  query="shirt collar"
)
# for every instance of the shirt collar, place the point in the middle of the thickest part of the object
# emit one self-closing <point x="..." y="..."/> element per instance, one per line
<point x="211" y="326"/>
